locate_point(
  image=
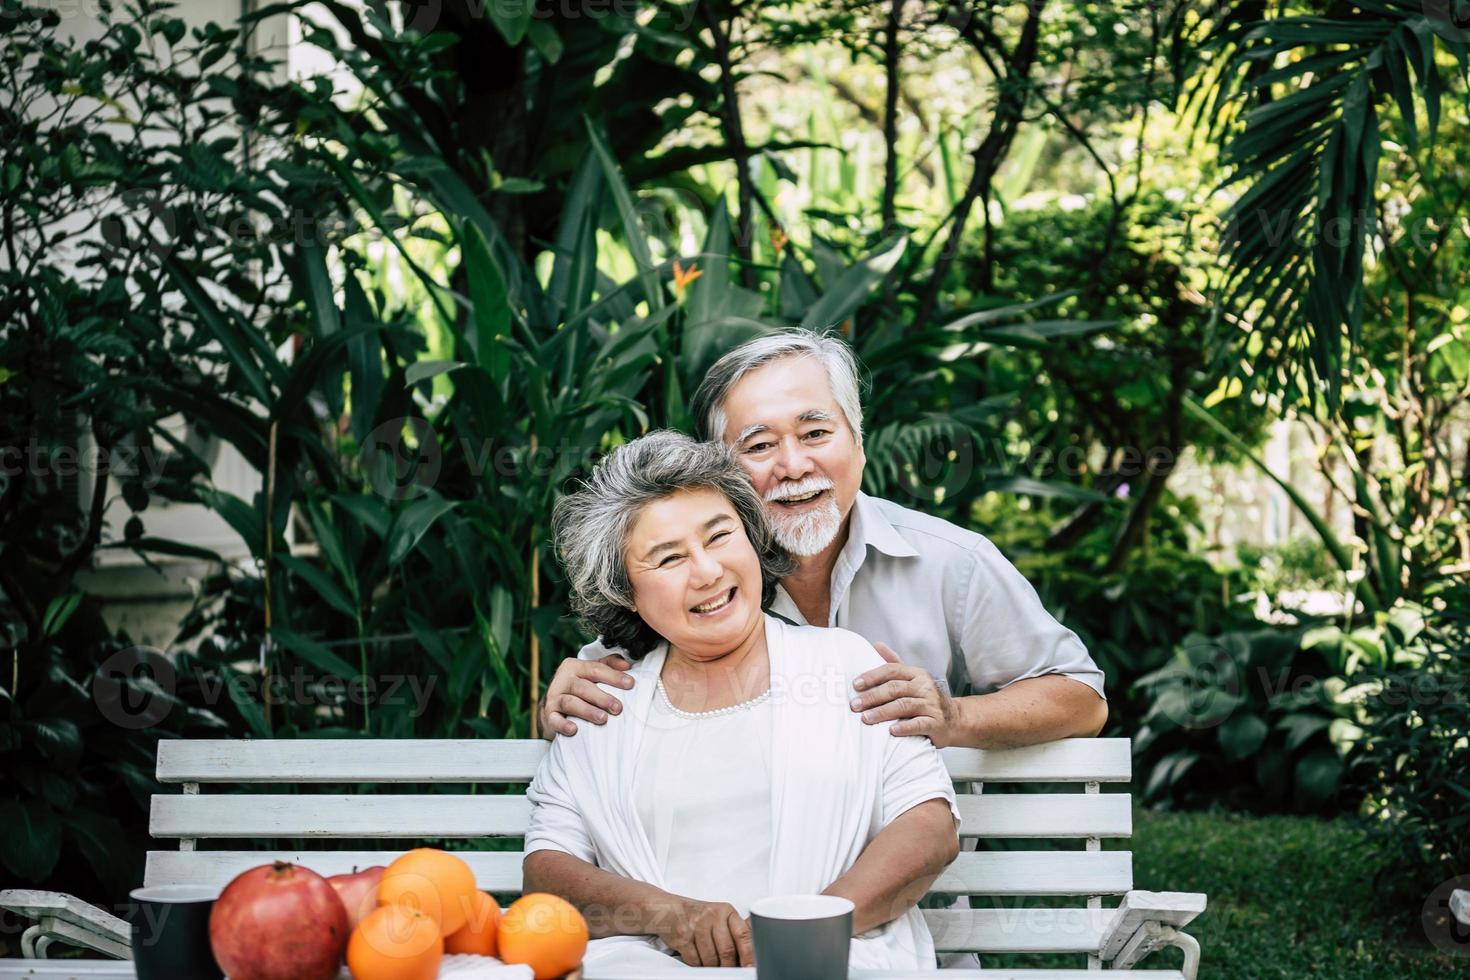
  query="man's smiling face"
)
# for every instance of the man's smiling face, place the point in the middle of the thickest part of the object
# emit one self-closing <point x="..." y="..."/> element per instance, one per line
<point x="802" y="455"/>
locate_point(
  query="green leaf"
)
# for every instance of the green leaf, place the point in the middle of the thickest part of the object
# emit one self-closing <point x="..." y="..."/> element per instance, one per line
<point x="321" y="583"/>
<point x="1300" y="727"/>
<point x="843" y="298"/>
<point x="31" y="842"/>
<point x="424" y="370"/>
<point x="632" y="227"/>
<point x="519" y="185"/>
<point x="494" y="318"/>
<point x="512" y="18"/>
<point x="58" y="739"/>
<point x="162" y="546"/>
<point x="372" y="512"/>
<point x="574" y="269"/>
<point x="329" y="539"/>
<point x="314" y="653"/>
<point x="1318" y="776"/>
<point x="412" y="523"/>
<point x="546" y="40"/>
<point x="239" y="515"/>
<point x="223" y="327"/>
<point x="1168" y="771"/>
<point x="97" y="837"/>
<point x="364" y="360"/>
<point x="1242" y="735"/>
<point x="245" y="704"/>
<point x="323" y="360"/>
<point x="58" y="611"/>
<point x="798" y="293"/>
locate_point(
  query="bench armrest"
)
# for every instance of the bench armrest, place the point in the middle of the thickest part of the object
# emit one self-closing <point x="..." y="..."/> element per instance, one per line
<point x="69" y="919"/>
<point x="1144" y="921"/>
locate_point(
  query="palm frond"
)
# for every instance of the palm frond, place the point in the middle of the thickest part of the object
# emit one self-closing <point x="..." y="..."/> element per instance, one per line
<point x="917" y="457"/>
<point x="1295" y="239"/>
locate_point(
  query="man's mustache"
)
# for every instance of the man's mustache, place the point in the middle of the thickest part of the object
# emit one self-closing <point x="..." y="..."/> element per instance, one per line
<point x="798" y="489"/>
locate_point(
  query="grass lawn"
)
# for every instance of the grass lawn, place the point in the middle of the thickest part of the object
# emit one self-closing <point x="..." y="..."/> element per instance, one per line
<point x="1288" y="897"/>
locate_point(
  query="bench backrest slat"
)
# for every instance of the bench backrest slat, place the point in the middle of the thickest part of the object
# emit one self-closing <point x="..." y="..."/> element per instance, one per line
<point x="1029" y="873"/>
<point x="331" y="760"/>
<point x="1011" y="815"/>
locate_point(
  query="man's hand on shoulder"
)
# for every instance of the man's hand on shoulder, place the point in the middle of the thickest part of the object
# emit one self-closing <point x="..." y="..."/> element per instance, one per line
<point x="573" y="693"/>
<point x="909" y="695"/>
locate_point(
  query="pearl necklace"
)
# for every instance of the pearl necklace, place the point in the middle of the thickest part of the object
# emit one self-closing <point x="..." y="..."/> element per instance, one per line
<point x="696" y="715"/>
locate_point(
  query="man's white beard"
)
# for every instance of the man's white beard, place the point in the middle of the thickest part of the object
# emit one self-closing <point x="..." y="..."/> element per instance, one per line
<point x="807" y="533"/>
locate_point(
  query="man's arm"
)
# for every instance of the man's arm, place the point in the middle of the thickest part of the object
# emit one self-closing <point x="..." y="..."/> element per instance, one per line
<point x="897" y="867"/>
<point x="1037" y="709"/>
<point x="702" y="933"/>
<point x="1025" y="712"/>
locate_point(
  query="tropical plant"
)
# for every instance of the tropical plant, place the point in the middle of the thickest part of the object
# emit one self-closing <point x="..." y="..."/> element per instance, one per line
<point x="1411" y="684"/>
<point x="1304" y="103"/>
<point x="1250" y="719"/>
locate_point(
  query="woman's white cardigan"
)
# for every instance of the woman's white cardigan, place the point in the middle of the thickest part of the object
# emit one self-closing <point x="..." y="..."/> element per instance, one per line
<point x="836" y="783"/>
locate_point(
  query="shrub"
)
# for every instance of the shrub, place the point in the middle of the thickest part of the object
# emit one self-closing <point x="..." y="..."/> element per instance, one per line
<point x="1250" y="719"/>
<point x="1415" y="747"/>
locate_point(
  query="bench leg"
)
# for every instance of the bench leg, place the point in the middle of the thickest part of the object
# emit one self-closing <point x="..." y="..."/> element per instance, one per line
<point x="35" y="941"/>
<point x="1152" y="936"/>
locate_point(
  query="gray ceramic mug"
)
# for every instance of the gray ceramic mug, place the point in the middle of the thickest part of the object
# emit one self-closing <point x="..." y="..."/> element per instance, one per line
<point x="170" y="926"/>
<point x="801" y="937"/>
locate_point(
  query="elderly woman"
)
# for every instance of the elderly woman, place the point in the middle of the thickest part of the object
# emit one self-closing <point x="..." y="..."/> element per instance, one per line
<point x="736" y="769"/>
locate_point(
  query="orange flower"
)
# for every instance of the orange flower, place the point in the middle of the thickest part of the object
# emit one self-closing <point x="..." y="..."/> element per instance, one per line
<point x="683" y="277"/>
<point x="778" y="238"/>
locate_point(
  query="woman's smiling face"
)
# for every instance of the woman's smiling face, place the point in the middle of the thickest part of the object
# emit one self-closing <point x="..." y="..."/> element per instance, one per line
<point x="696" y="577"/>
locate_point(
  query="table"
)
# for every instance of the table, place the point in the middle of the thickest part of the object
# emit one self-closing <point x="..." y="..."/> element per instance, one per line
<point x="94" y="969"/>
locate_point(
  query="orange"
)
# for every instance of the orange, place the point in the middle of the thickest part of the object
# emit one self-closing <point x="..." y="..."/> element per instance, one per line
<point x="395" y="942"/>
<point x="545" y="932"/>
<point x="478" y="934"/>
<point x="435" y="882"/>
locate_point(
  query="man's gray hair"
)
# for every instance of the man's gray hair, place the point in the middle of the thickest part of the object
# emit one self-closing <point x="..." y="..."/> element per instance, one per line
<point x="591" y="527"/>
<point x="708" y="405"/>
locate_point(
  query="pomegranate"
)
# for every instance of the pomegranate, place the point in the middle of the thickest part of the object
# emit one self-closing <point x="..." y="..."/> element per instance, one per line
<point x="359" y="892"/>
<point x="278" y="922"/>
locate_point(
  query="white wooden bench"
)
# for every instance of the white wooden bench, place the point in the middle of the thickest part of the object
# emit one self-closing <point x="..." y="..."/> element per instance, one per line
<point x="1117" y="936"/>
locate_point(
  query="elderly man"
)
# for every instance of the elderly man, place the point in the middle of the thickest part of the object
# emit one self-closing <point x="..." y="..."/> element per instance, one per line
<point x="974" y="658"/>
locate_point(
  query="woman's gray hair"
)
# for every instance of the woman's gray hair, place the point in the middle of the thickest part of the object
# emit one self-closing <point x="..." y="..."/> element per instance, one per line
<point x="591" y="527"/>
<point x="708" y="404"/>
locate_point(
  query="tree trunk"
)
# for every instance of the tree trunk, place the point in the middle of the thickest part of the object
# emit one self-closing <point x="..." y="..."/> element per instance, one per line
<point x="1009" y="110"/>
<point x="735" y="137"/>
<point x="890" y="117"/>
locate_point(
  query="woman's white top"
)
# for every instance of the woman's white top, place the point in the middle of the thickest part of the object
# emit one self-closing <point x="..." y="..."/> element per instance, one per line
<point x="699" y="776"/>
<point x="680" y="806"/>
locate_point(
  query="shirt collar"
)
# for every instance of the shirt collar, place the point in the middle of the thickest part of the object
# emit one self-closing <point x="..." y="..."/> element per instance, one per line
<point x="869" y="526"/>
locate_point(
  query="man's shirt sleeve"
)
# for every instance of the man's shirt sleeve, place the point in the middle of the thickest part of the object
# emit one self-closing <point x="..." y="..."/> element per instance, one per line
<point x="1009" y="636"/>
